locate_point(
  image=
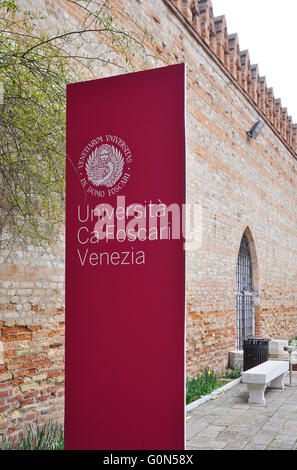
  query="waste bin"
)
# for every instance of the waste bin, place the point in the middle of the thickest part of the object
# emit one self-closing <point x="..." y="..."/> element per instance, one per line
<point x="255" y="351"/>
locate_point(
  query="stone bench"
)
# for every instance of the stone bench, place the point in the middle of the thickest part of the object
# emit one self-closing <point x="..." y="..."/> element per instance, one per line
<point x="269" y="373"/>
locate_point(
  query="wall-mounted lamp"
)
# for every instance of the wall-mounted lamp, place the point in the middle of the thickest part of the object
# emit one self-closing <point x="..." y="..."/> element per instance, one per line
<point x="255" y="129"/>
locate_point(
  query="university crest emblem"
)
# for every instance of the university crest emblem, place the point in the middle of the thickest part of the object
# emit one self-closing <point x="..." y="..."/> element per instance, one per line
<point x="104" y="166"/>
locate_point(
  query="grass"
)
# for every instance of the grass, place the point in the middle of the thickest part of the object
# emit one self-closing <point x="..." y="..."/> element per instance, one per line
<point x="207" y="381"/>
<point x="47" y="437"/>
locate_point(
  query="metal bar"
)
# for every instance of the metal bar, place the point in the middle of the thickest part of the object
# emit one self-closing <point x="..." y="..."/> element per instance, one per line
<point x="244" y="286"/>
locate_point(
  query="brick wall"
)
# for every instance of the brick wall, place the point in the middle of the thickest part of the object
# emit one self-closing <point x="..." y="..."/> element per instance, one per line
<point x="31" y="337"/>
<point x="243" y="186"/>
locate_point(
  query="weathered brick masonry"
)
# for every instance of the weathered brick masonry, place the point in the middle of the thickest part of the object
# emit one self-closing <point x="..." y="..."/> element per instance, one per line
<point x="243" y="185"/>
<point x="32" y="337"/>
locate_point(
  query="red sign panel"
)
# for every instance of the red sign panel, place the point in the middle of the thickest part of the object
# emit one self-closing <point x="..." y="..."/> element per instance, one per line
<point x="125" y="262"/>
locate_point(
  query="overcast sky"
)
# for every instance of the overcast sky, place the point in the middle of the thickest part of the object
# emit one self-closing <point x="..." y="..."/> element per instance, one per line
<point x="268" y="29"/>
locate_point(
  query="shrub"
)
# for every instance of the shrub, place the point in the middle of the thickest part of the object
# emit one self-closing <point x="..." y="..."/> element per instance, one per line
<point x="293" y="342"/>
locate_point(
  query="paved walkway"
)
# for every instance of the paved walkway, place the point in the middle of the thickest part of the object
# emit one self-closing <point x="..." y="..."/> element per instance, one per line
<point x="229" y="422"/>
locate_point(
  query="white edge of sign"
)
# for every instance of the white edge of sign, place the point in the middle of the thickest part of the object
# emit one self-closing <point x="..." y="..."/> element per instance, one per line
<point x="185" y="307"/>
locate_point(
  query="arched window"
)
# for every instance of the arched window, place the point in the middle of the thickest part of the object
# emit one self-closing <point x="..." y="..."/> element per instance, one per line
<point x="245" y="297"/>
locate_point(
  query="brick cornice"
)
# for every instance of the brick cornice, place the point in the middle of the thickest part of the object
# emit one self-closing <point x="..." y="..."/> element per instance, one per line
<point x="257" y="95"/>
